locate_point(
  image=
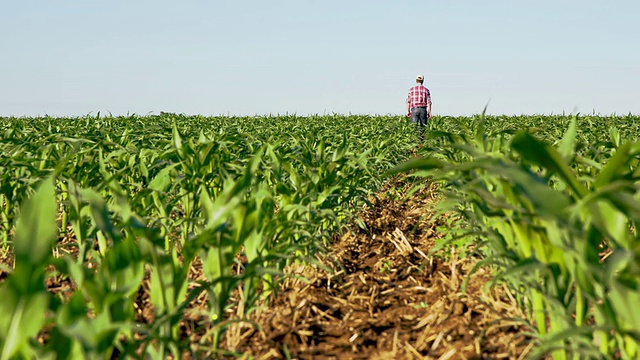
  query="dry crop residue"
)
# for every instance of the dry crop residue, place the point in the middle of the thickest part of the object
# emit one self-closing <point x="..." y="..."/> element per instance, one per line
<point x="387" y="299"/>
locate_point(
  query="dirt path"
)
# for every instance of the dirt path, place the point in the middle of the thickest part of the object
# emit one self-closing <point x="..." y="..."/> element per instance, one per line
<point x="387" y="299"/>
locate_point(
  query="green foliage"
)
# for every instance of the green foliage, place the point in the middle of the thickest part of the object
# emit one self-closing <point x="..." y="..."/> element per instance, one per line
<point x="551" y="202"/>
<point x="24" y="298"/>
<point x="554" y="206"/>
<point x="142" y="199"/>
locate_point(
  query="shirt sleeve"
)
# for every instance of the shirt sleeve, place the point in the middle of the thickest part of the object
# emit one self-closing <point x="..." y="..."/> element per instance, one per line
<point x="428" y="97"/>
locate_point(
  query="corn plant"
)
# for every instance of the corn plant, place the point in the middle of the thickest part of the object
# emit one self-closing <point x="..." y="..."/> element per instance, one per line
<point x="134" y="202"/>
<point x="542" y="214"/>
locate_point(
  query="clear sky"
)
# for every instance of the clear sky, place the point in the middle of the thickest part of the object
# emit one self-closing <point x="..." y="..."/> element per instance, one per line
<point x="256" y="57"/>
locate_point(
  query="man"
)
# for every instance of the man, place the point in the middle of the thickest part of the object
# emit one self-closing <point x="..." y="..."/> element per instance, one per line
<point x="419" y="104"/>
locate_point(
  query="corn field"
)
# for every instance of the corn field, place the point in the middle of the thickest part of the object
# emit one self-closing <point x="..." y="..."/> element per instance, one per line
<point x="93" y="207"/>
<point x="103" y="202"/>
<point x="553" y="203"/>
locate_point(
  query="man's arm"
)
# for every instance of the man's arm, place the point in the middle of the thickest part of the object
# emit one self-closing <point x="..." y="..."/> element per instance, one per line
<point x="429" y="103"/>
<point x="408" y="108"/>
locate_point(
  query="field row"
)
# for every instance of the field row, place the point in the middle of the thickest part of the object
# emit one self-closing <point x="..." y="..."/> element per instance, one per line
<point x="553" y="203"/>
<point x="107" y="203"/>
<point x="117" y="212"/>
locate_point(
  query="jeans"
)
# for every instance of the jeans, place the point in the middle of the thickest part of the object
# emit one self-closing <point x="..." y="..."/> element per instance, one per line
<point x="419" y="116"/>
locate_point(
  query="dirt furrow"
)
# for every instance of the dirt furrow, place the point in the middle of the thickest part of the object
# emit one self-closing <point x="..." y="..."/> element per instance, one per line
<point x="387" y="298"/>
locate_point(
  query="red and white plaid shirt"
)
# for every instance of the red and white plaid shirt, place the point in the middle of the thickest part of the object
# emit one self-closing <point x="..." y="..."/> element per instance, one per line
<point x="419" y="96"/>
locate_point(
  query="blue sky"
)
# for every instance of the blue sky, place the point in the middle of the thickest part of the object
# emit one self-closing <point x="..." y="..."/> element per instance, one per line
<point x="74" y="57"/>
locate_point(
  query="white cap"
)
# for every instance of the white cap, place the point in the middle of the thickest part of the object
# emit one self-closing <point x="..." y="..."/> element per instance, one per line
<point x="420" y="77"/>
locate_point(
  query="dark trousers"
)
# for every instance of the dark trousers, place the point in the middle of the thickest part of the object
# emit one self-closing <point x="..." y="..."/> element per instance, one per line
<point x="419" y="116"/>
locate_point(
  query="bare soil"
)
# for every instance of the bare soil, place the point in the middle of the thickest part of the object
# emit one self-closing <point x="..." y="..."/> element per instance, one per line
<point x="384" y="297"/>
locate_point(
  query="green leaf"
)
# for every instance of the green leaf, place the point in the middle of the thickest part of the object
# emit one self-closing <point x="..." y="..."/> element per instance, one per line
<point x="100" y="213"/>
<point x="568" y="143"/>
<point x="624" y="295"/>
<point x="539" y="153"/>
<point x="479" y="134"/>
<point x="177" y="140"/>
<point x="21" y="319"/>
<point x="163" y="179"/>
<point x="616" y="166"/>
<point x="36" y="228"/>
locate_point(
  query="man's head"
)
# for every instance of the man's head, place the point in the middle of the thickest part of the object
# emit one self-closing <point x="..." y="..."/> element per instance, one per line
<point x="419" y="79"/>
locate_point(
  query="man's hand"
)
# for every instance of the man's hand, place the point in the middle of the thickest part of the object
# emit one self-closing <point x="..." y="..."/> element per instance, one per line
<point x="408" y="114"/>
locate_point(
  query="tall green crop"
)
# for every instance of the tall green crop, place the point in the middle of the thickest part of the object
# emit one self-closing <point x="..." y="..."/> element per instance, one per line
<point x="543" y="214"/>
<point x="139" y="201"/>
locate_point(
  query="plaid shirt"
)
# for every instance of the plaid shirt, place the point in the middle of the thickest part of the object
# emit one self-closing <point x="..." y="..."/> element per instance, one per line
<point x="419" y="96"/>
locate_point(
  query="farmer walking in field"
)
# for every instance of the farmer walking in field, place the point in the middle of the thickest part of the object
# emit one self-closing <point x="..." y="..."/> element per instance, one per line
<point x="419" y="104"/>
